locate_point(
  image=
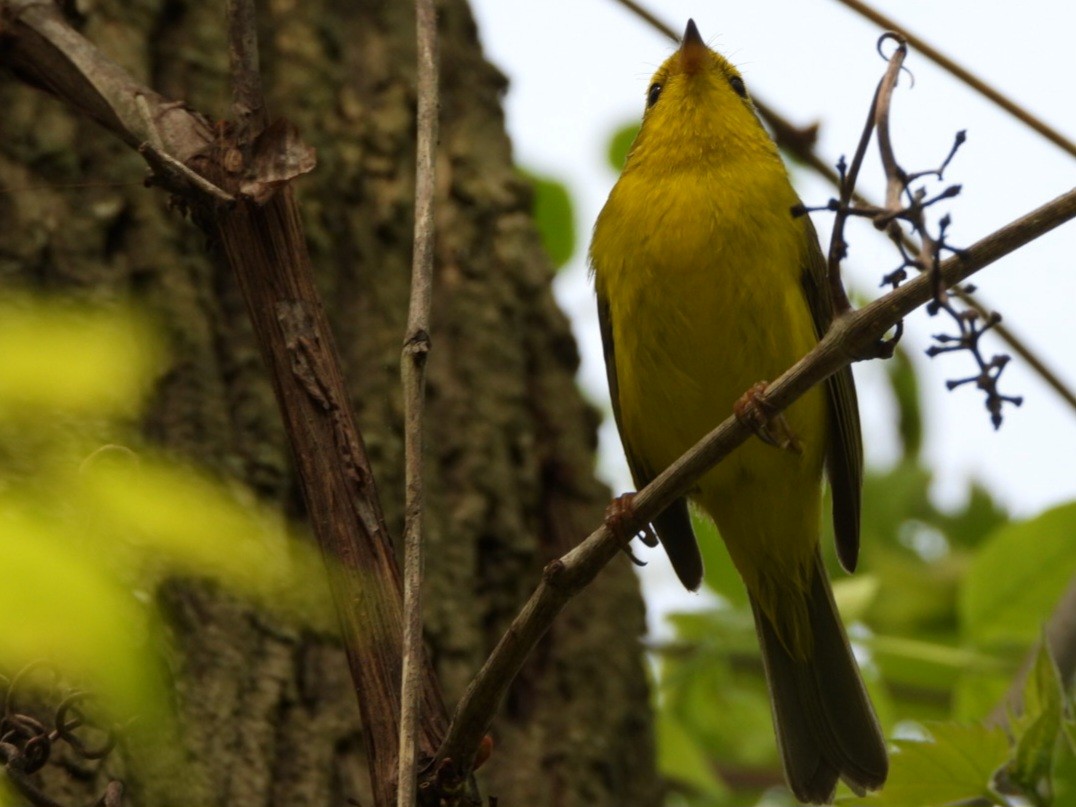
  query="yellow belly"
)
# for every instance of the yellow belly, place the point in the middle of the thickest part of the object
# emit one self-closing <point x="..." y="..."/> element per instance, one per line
<point x="701" y="311"/>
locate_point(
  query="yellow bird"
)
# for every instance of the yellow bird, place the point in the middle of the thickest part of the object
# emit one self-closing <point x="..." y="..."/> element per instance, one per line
<point x="706" y="285"/>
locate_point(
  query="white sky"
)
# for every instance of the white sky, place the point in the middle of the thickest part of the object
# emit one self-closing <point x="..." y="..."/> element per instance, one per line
<point x="579" y="69"/>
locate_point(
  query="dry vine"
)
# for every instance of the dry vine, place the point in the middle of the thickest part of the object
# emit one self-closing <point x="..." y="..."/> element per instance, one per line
<point x="907" y="201"/>
<point x="27" y="743"/>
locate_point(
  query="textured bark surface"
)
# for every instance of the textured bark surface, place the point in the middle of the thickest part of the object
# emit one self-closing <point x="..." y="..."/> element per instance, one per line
<point x="268" y="711"/>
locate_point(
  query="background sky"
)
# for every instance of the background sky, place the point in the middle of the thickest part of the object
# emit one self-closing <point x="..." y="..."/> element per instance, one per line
<point x="579" y="69"/>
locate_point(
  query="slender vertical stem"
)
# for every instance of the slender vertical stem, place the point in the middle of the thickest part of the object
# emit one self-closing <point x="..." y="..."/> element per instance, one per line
<point x="847" y="183"/>
<point x="248" y="103"/>
<point x="413" y="366"/>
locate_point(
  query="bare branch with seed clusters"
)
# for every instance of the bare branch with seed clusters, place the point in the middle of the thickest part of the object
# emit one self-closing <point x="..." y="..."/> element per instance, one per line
<point x="907" y="200"/>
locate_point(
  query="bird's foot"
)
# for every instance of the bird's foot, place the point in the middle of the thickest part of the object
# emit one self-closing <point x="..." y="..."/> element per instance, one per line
<point x="620" y="518"/>
<point x="754" y="411"/>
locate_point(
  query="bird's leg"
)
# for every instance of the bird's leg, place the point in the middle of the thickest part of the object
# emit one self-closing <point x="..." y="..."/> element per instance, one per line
<point x="619" y="517"/>
<point x="754" y="411"/>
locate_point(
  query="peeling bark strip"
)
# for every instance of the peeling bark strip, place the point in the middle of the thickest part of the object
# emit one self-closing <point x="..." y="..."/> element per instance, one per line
<point x="311" y="365"/>
<point x="265" y="247"/>
<point x="262" y="239"/>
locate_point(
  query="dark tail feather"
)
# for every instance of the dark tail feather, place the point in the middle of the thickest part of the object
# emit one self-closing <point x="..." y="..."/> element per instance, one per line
<point x="826" y="727"/>
<point x="674" y="531"/>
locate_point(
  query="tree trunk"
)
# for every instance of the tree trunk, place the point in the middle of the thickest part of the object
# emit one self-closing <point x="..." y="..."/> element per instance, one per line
<point x="268" y="712"/>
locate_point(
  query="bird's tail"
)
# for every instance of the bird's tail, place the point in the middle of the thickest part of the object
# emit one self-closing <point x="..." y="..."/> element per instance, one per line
<point x="826" y="727"/>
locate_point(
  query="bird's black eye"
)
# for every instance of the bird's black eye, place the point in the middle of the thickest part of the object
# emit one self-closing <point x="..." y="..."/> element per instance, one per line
<point x="737" y="86"/>
<point x="652" y="95"/>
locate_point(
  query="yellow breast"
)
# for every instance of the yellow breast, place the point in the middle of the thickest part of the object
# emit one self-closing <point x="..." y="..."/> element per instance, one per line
<point x="702" y="275"/>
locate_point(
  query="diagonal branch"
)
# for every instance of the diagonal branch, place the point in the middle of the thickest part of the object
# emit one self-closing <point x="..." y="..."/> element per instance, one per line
<point x="854" y="334"/>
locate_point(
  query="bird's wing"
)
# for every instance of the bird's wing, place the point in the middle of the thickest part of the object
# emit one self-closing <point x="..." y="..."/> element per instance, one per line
<point x="844" y="458"/>
<point x="673" y="525"/>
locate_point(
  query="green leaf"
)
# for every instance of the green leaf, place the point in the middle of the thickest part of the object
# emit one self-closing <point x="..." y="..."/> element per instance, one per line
<point x="929" y="665"/>
<point x="1038" y="727"/>
<point x="957" y="765"/>
<point x="977" y="692"/>
<point x="1064" y="778"/>
<point x="1043" y="693"/>
<point x="891" y="498"/>
<point x="554" y="216"/>
<point x="980" y="518"/>
<point x="713" y="683"/>
<point x="681" y="760"/>
<point x="1017" y="576"/>
<point x="905" y="385"/>
<point x="620" y="145"/>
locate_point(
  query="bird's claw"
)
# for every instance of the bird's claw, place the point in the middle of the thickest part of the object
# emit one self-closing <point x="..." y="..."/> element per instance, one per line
<point x="755" y="412"/>
<point x="619" y="518"/>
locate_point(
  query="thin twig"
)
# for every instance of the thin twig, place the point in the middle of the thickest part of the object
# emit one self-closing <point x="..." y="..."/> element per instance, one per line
<point x="849" y="177"/>
<point x="413" y="372"/>
<point x="973" y="81"/>
<point x="850" y="336"/>
<point x="644" y="14"/>
<point x="248" y="103"/>
<point x="792" y="138"/>
<point x="170" y="173"/>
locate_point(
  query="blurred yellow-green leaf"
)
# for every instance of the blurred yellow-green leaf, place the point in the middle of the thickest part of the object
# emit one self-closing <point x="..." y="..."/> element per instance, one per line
<point x="57" y="356"/>
<point x="855" y="594"/>
<point x="926" y="671"/>
<point x="713" y="687"/>
<point x="73" y="614"/>
<point x="1017" y="576"/>
<point x="1064" y="774"/>
<point x="977" y="692"/>
<point x="681" y="760"/>
<point x="145" y="507"/>
<point x="89" y="525"/>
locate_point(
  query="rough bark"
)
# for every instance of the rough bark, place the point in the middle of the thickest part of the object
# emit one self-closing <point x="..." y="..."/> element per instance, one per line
<point x="268" y="714"/>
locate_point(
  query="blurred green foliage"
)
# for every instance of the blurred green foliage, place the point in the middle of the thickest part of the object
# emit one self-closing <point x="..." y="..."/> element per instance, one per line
<point x="90" y="519"/>
<point x="620" y="145"/>
<point x="554" y="216"/>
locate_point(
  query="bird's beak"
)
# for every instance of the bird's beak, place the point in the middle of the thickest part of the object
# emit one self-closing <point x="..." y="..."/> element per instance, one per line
<point x="692" y="50"/>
